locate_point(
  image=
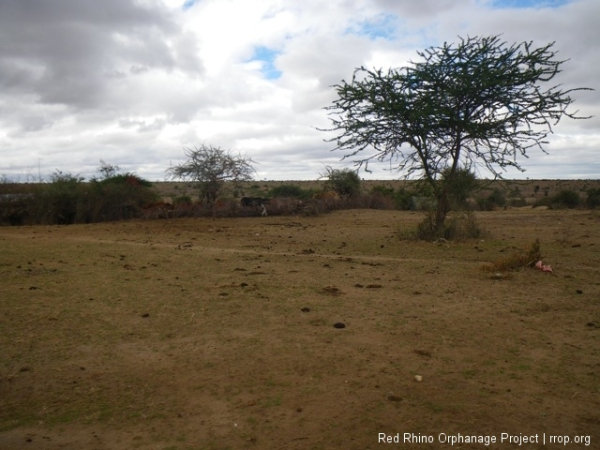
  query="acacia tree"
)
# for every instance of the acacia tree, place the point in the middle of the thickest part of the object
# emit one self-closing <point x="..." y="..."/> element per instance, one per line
<point x="478" y="104"/>
<point x="210" y="167"/>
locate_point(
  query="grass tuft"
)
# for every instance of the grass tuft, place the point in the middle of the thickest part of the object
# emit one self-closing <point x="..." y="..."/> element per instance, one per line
<point x="517" y="260"/>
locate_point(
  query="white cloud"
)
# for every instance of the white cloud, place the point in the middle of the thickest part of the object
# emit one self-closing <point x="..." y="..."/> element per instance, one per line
<point x="133" y="82"/>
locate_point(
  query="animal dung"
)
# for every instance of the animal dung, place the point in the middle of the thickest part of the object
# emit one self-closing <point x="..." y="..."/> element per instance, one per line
<point x="339" y="325"/>
<point x="331" y="290"/>
<point x="305" y="309"/>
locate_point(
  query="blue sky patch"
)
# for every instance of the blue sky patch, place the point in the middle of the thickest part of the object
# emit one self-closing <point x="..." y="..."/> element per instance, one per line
<point x="188" y="4"/>
<point x="383" y="27"/>
<point x="501" y="4"/>
<point x="267" y="57"/>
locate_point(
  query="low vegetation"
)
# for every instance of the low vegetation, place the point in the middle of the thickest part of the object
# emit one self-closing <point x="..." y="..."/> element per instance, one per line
<point x="345" y="182"/>
<point x="291" y="191"/>
<point x="458" y="227"/>
<point x="518" y="259"/>
<point x="69" y="199"/>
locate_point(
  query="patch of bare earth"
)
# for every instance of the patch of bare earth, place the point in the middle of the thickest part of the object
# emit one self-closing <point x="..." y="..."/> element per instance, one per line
<point x="219" y="334"/>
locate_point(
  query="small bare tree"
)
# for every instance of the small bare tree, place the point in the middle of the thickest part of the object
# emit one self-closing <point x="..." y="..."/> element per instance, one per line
<point x="210" y="167"/>
<point x="107" y="170"/>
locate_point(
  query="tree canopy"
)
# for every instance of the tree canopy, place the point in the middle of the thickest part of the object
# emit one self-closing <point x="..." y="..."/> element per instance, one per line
<point x="480" y="104"/>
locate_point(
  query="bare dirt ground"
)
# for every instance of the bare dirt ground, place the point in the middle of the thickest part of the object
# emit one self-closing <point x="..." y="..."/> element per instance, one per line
<point x="219" y="334"/>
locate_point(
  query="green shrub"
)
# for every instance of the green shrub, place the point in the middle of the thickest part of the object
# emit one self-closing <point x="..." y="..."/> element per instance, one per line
<point x="518" y="201"/>
<point x="593" y="198"/>
<point x="384" y="191"/>
<point x="126" y="179"/>
<point x="382" y="197"/>
<point x="67" y="199"/>
<point x="403" y="199"/>
<point x="118" y="197"/>
<point x="457" y="227"/>
<point x="345" y="182"/>
<point x="290" y="191"/>
<point x="14" y="202"/>
<point x="459" y="186"/>
<point x="183" y="200"/>
<point x="497" y="199"/>
<point x="566" y="198"/>
<point x="57" y="202"/>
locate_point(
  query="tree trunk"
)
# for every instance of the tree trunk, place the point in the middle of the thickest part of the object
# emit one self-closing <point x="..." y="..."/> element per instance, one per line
<point x="443" y="207"/>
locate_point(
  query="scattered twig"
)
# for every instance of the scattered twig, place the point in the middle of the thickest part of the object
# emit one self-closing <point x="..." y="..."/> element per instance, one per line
<point x="572" y="345"/>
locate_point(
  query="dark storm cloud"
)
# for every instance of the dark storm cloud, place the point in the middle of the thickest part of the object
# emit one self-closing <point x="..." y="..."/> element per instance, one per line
<point x="71" y="51"/>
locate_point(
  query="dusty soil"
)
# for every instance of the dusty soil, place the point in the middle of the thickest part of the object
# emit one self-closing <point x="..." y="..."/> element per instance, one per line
<point x="219" y="334"/>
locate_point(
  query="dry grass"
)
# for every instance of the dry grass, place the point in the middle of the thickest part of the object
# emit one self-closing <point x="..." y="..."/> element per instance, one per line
<point x="219" y="333"/>
<point x="517" y="259"/>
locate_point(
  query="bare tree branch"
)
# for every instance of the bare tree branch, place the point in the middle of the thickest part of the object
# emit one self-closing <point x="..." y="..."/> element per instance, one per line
<point x="210" y="167"/>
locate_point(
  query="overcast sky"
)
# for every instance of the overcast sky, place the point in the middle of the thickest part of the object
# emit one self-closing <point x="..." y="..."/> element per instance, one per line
<point x="133" y="82"/>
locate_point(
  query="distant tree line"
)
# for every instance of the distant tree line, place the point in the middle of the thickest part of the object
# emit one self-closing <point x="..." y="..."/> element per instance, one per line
<point x="68" y="199"/>
<point x="112" y="195"/>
